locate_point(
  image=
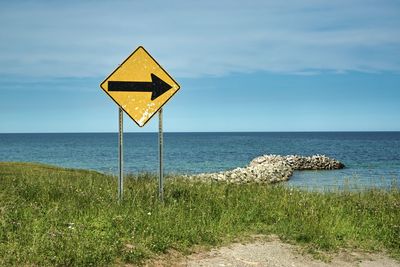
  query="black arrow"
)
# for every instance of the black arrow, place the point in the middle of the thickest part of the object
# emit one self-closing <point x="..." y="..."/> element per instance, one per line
<point x="157" y="86"/>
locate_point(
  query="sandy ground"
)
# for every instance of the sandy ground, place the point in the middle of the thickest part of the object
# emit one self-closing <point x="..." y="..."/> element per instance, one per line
<point x="273" y="253"/>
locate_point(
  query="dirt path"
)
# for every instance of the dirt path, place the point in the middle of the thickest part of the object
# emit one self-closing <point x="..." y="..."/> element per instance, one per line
<point x="271" y="252"/>
<point x="278" y="254"/>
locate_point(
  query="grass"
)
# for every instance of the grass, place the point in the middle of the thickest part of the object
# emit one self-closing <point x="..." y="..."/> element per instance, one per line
<point x="53" y="216"/>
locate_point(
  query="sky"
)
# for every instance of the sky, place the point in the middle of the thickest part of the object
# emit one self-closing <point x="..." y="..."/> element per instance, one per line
<point x="305" y="65"/>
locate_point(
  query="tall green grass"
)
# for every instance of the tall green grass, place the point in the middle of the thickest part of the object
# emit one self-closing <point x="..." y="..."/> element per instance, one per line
<point x="52" y="216"/>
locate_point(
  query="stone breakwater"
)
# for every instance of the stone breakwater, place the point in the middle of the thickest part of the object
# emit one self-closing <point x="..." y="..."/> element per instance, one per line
<point x="272" y="168"/>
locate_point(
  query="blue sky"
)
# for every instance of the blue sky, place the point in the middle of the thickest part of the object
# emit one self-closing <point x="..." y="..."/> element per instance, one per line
<point x="242" y="65"/>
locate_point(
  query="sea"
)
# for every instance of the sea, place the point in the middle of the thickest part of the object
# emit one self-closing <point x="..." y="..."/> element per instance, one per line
<point x="372" y="159"/>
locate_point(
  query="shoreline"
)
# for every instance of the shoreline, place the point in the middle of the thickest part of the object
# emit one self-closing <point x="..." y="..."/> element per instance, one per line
<point x="311" y="183"/>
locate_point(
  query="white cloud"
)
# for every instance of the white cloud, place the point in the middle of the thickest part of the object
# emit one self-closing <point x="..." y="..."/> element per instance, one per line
<point x="201" y="38"/>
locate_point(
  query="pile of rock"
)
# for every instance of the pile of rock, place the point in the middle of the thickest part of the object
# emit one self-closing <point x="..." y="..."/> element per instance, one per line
<point x="316" y="162"/>
<point x="272" y="169"/>
<point x="261" y="173"/>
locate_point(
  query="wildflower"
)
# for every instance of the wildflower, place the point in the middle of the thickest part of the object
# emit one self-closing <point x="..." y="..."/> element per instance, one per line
<point x="71" y="226"/>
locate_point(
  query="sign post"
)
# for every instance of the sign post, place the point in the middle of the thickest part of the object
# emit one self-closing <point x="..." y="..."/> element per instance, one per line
<point x="121" y="155"/>
<point x="160" y="152"/>
<point x="140" y="87"/>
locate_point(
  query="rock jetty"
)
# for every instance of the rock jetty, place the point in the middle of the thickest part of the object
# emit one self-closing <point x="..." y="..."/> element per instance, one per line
<point x="316" y="162"/>
<point x="272" y="168"/>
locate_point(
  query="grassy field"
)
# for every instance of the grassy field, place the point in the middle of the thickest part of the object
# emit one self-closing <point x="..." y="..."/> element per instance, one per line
<point x="54" y="216"/>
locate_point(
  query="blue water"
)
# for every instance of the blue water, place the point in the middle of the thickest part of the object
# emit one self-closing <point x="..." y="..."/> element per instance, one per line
<point x="371" y="158"/>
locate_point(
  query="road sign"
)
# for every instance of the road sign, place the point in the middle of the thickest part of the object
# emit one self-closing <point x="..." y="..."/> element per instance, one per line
<point x="140" y="86"/>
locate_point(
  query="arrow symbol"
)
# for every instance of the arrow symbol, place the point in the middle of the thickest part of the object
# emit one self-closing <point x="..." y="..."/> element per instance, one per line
<point x="156" y="87"/>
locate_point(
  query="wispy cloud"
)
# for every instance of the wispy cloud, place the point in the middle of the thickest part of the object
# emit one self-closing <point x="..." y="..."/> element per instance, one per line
<point x="81" y="39"/>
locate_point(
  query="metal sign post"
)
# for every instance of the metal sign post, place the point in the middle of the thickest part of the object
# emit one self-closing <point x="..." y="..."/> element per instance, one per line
<point x="121" y="156"/>
<point x="160" y="151"/>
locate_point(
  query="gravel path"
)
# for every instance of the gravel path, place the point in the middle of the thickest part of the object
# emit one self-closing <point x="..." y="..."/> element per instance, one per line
<point x="278" y="254"/>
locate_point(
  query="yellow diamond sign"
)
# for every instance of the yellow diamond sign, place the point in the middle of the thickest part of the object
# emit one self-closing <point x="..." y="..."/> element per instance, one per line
<point x="140" y="86"/>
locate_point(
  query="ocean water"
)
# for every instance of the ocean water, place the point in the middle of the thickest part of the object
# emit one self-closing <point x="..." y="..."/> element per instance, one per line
<point x="371" y="158"/>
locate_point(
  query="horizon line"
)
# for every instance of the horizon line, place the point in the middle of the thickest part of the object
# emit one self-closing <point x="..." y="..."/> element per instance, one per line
<point x="336" y="131"/>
